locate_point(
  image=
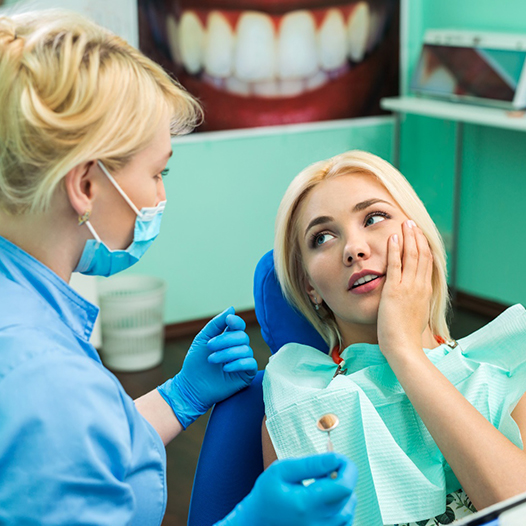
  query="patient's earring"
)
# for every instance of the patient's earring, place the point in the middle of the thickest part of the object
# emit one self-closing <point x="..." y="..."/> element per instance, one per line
<point x="316" y="304"/>
<point x="84" y="217"/>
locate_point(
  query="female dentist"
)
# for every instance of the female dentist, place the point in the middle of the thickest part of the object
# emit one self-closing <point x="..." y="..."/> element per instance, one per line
<point x="85" y="132"/>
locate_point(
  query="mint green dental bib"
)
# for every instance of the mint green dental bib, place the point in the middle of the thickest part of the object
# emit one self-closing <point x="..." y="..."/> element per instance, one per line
<point x="403" y="477"/>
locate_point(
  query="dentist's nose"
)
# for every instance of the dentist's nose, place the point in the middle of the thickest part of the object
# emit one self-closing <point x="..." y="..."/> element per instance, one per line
<point x="161" y="193"/>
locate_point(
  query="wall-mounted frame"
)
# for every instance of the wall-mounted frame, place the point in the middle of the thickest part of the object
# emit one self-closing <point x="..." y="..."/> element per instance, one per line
<point x="259" y="63"/>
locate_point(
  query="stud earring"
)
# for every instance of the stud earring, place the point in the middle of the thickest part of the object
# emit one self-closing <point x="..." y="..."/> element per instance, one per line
<point x="85" y="217"/>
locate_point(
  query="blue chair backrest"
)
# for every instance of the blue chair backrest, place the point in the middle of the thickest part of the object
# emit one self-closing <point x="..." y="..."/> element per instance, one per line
<point x="280" y="322"/>
<point x="231" y="457"/>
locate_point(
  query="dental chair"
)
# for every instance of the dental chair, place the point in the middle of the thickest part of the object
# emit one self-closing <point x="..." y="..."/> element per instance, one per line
<point x="231" y="458"/>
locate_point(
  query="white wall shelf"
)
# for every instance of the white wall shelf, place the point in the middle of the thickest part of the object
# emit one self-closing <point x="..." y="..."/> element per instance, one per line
<point x="459" y="112"/>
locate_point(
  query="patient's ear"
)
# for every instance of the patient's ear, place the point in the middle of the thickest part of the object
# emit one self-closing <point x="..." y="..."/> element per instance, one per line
<point x="313" y="295"/>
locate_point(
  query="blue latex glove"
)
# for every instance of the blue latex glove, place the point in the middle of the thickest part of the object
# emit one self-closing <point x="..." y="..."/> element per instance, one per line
<point x="279" y="497"/>
<point x="219" y="363"/>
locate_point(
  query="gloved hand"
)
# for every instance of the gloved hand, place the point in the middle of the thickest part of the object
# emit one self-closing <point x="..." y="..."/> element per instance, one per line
<point x="279" y="497"/>
<point x="219" y="363"/>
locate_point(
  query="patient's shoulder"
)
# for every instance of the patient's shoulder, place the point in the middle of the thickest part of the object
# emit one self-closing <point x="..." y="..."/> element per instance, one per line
<point x="502" y="342"/>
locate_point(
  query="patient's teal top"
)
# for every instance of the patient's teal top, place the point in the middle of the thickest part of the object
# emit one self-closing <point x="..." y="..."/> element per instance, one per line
<point x="403" y="476"/>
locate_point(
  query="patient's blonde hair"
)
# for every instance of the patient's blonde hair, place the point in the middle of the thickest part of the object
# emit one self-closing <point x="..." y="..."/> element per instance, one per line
<point x="287" y="254"/>
<point x="70" y="92"/>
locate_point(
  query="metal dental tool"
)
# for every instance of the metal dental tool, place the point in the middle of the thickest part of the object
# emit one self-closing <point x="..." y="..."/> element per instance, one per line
<point x="328" y="423"/>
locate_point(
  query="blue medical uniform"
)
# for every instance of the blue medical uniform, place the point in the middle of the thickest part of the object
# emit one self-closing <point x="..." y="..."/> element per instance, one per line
<point x="73" y="447"/>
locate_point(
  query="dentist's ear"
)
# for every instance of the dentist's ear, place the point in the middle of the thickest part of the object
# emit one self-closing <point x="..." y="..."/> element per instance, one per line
<point x="79" y="186"/>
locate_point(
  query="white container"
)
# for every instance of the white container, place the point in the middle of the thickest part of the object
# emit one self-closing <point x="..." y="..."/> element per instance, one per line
<point x="132" y="308"/>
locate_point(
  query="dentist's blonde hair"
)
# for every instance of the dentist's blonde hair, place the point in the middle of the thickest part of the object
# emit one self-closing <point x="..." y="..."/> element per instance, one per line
<point x="70" y="92"/>
<point x="287" y="254"/>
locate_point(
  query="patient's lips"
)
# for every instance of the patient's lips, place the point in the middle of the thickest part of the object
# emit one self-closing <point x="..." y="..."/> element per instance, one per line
<point x="234" y="55"/>
<point x="365" y="281"/>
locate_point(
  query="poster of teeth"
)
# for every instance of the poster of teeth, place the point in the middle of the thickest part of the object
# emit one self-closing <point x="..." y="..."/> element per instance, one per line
<point x="271" y="62"/>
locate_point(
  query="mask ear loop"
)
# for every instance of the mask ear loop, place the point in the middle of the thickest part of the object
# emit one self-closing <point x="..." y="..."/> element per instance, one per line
<point x="92" y="230"/>
<point x="119" y="189"/>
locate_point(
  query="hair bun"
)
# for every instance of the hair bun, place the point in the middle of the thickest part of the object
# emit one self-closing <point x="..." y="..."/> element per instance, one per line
<point x="8" y="33"/>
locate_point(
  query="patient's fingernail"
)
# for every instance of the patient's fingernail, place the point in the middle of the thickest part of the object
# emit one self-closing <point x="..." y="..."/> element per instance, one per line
<point x="395" y="239"/>
<point x="411" y="223"/>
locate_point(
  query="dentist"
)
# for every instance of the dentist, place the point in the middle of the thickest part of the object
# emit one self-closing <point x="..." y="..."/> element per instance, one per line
<point x="85" y="134"/>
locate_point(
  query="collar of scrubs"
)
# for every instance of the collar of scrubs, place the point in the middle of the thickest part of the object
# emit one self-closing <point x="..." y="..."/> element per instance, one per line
<point x="73" y="310"/>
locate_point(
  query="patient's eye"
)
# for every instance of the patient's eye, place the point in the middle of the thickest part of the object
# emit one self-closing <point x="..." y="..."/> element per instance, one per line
<point x="376" y="217"/>
<point x="319" y="239"/>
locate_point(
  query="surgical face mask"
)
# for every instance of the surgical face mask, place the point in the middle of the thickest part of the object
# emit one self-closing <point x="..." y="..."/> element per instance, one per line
<point x="98" y="260"/>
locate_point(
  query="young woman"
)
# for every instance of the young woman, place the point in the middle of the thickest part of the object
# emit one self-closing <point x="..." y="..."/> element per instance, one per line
<point x="425" y="418"/>
<point x="85" y="134"/>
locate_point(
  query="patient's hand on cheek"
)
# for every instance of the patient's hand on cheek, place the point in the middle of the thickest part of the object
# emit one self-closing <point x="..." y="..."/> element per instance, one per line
<point x="403" y="314"/>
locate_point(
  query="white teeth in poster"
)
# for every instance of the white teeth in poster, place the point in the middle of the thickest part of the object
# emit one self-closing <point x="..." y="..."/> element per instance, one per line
<point x="274" y="56"/>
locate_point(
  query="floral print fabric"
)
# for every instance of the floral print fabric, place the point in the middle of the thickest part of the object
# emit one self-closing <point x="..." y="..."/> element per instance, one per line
<point x="458" y="506"/>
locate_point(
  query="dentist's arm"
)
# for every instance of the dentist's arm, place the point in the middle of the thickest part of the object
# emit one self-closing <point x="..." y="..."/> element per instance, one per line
<point x="219" y="363"/>
<point x="160" y="415"/>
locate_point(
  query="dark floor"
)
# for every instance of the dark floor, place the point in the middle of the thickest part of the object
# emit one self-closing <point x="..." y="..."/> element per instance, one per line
<point x="183" y="452"/>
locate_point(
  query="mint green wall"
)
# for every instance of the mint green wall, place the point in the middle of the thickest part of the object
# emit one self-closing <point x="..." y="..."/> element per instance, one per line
<point x="223" y="193"/>
<point x="493" y="225"/>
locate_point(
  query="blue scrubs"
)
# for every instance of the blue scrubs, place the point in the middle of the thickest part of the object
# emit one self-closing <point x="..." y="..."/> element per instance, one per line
<point x="73" y="447"/>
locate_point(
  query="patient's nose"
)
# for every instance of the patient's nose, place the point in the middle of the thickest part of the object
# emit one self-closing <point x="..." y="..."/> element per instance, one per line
<point x="355" y="249"/>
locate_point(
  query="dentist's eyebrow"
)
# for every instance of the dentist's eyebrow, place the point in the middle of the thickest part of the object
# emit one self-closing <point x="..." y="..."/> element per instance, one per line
<point x="164" y="159"/>
<point x="366" y="204"/>
<point x="318" y="221"/>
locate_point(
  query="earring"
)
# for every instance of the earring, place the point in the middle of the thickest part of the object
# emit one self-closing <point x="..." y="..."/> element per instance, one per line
<point x="85" y="217"/>
<point x="316" y="304"/>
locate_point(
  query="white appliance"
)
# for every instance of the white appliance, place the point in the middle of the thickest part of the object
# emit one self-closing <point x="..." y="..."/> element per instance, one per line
<point x="470" y="66"/>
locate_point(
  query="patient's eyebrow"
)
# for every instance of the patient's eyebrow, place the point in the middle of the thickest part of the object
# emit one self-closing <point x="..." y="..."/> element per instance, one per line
<point x="366" y="204"/>
<point x="318" y="221"/>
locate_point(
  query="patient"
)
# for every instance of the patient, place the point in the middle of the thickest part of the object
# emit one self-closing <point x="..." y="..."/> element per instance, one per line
<point x="433" y="425"/>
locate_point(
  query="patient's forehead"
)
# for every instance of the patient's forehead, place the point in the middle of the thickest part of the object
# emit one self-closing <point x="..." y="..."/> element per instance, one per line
<point x="339" y="195"/>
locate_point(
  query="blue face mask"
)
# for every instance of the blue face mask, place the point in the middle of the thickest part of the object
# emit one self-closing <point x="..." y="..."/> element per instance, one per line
<point x="98" y="260"/>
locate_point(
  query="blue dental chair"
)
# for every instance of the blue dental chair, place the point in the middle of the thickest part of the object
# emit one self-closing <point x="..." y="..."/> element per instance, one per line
<point x="231" y="459"/>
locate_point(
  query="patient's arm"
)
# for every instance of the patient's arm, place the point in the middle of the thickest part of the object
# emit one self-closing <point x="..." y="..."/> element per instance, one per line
<point x="269" y="454"/>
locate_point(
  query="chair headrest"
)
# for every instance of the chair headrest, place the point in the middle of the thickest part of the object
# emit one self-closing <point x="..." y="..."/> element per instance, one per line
<point x="280" y="322"/>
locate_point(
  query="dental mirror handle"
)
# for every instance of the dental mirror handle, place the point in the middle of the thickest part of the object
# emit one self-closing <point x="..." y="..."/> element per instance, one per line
<point x="330" y="447"/>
